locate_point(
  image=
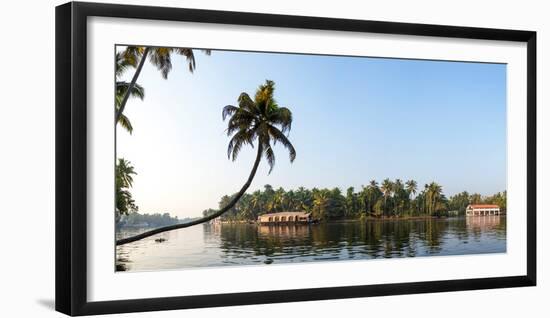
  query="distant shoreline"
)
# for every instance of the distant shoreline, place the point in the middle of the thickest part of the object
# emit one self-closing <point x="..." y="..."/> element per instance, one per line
<point x="368" y="218"/>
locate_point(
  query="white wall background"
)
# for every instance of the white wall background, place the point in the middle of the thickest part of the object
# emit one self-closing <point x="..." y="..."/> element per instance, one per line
<point x="27" y="157"/>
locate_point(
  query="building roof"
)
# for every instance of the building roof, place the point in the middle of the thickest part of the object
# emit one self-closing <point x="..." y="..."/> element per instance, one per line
<point x="305" y="214"/>
<point x="484" y="206"/>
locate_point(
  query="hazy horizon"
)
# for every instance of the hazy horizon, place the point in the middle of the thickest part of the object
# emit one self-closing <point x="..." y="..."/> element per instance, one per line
<point x="355" y="119"/>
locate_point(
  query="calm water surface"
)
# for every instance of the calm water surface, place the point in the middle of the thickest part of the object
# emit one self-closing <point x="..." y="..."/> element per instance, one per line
<point x="244" y="244"/>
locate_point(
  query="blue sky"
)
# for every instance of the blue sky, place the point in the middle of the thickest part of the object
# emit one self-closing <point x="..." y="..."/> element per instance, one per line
<point x="355" y="119"/>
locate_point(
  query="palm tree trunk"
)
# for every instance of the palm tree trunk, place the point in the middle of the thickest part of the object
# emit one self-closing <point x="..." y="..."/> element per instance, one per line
<point x="206" y="218"/>
<point x="132" y="84"/>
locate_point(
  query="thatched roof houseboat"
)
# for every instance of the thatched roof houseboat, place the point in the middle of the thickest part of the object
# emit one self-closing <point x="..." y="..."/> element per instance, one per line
<point x="285" y="217"/>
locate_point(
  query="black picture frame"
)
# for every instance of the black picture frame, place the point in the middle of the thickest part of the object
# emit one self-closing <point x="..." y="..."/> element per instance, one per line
<point x="71" y="157"/>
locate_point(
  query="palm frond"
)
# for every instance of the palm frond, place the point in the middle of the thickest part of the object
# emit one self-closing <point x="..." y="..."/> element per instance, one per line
<point x="125" y="123"/>
<point x="190" y="57"/>
<point x="122" y="64"/>
<point x="278" y="136"/>
<point x="281" y="116"/>
<point x="160" y="57"/>
<point x="235" y="144"/>
<point x="246" y="102"/>
<point x="269" y="156"/>
<point x="242" y="116"/>
<point x="241" y="120"/>
<point x="137" y="91"/>
<point x="265" y="93"/>
<point x="228" y="111"/>
<point x="235" y="127"/>
<point x="132" y="54"/>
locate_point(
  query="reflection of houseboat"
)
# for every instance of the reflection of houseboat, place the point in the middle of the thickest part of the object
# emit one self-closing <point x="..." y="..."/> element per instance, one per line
<point x="485" y="223"/>
<point x="285" y="217"/>
<point x="216" y="221"/>
<point x="286" y="230"/>
<point x="482" y="209"/>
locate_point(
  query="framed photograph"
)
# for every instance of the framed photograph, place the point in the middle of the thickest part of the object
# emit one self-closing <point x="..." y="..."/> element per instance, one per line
<point x="210" y="158"/>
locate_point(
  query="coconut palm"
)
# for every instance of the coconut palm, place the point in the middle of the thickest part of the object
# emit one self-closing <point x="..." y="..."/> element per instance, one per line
<point x="386" y="188"/>
<point x="122" y="64"/>
<point x="433" y="195"/>
<point x="411" y="187"/>
<point x="160" y="57"/>
<point x="321" y="202"/>
<point x="399" y="194"/>
<point x="257" y="201"/>
<point x="373" y="194"/>
<point x="124" y="172"/>
<point x="252" y="121"/>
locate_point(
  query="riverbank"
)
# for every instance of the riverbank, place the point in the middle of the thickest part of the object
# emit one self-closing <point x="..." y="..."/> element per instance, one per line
<point x="368" y="218"/>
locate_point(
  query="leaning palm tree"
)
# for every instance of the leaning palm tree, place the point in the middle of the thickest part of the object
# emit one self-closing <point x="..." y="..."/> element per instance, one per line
<point x="122" y="87"/>
<point x="160" y="57"/>
<point x="253" y="121"/>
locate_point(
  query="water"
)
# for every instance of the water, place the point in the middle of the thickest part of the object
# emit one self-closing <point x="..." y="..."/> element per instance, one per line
<point x="245" y="244"/>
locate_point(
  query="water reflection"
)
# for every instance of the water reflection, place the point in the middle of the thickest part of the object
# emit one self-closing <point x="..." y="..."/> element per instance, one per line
<point x="227" y="244"/>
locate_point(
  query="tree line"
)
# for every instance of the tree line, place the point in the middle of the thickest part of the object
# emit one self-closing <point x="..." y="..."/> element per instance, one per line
<point x="135" y="219"/>
<point x="387" y="199"/>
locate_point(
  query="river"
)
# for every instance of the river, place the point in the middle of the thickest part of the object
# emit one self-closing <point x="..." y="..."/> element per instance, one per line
<point x="245" y="244"/>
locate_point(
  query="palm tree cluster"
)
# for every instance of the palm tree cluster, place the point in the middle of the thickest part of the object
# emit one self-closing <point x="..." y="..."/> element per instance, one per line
<point x="387" y="199"/>
<point x="125" y="204"/>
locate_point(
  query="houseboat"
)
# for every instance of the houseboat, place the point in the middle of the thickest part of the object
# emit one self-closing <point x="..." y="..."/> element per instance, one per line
<point x="285" y="217"/>
<point x="482" y="209"/>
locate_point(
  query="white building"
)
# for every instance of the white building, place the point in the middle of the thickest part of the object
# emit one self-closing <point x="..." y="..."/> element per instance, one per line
<point x="482" y="209"/>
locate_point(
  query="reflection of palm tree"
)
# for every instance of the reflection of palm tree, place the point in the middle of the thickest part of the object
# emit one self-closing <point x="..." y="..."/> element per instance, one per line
<point x="161" y="57"/>
<point x="250" y="121"/>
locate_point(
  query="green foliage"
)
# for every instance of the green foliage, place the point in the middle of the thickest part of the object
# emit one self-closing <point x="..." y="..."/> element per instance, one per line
<point x="259" y="119"/>
<point x="124" y="173"/>
<point x="160" y="57"/>
<point x="460" y="201"/>
<point x="135" y="219"/>
<point x="121" y="88"/>
<point x="389" y="199"/>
